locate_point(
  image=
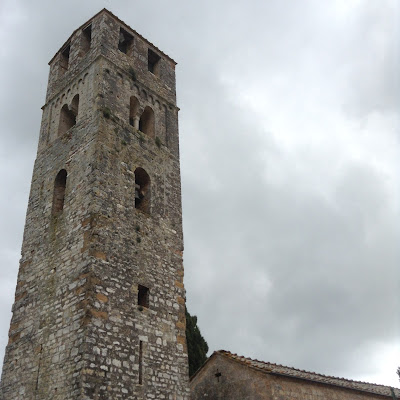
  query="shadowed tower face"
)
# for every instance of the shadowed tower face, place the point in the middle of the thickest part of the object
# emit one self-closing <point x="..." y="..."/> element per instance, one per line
<point x="99" y="305"/>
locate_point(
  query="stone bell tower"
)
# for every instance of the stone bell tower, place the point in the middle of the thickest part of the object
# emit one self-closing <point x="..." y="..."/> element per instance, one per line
<point x="99" y="305"/>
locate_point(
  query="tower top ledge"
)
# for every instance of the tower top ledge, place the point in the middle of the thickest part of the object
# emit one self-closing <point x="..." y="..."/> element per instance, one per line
<point x="105" y="11"/>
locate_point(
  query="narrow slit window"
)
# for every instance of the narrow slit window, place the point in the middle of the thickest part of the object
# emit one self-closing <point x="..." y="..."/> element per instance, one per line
<point x="125" y="43"/>
<point x="143" y="296"/>
<point x="142" y="190"/>
<point x="86" y="39"/>
<point x="153" y="62"/>
<point x="140" y="362"/>
<point x="59" y="192"/>
<point x="64" y="59"/>
<point x="39" y="364"/>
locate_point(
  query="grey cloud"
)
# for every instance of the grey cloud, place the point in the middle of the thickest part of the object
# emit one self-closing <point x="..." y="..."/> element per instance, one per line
<point x="288" y="258"/>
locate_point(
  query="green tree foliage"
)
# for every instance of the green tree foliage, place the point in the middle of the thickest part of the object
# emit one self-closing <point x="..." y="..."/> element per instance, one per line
<point x="197" y="346"/>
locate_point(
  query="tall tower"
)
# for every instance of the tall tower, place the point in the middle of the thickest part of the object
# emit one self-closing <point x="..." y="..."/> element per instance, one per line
<point x="99" y="305"/>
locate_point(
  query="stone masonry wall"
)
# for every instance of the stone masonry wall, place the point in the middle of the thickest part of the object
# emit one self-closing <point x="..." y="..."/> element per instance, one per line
<point x="224" y="379"/>
<point x="46" y="333"/>
<point x="77" y="330"/>
<point x="135" y="248"/>
<point x="235" y="382"/>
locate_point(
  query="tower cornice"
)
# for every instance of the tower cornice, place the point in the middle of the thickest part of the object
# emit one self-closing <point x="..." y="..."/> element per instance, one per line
<point x="85" y="69"/>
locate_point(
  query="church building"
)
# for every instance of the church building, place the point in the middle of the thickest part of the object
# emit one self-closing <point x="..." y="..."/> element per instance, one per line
<point x="227" y="376"/>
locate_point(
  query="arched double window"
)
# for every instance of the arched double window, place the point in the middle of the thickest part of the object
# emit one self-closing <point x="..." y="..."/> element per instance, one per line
<point x="133" y="110"/>
<point x="68" y="116"/>
<point x="142" y="190"/>
<point x="59" y="192"/>
<point x="146" y="122"/>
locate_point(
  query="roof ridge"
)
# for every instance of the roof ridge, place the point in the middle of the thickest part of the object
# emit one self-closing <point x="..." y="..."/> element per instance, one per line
<point x="239" y="358"/>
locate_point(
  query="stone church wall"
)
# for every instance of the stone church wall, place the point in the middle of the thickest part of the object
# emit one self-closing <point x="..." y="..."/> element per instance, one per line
<point x="224" y="379"/>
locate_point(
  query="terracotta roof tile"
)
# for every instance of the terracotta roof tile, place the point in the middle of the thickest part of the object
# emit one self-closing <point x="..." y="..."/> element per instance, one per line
<point x="277" y="369"/>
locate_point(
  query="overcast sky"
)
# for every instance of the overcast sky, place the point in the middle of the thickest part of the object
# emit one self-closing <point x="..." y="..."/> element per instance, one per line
<point x="290" y="133"/>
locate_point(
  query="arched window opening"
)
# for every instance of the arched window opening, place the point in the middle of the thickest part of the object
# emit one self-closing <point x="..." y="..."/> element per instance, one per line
<point x="86" y="39"/>
<point x="166" y="126"/>
<point x="143" y="296"/>
<point x="133" y="110"/>
<point x="153" y="62"/>
<point x="146" y="123"/>
<point x="75" y="105"/>
<point x="68" y="116"/>
<point x="142" y="190"/>
<point x="59" y="192"/>
<point x="125" y="43"/>
<point x="64" y="59"/>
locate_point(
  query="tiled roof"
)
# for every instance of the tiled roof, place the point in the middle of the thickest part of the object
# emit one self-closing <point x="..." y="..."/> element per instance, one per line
<point x="277" y="369"/>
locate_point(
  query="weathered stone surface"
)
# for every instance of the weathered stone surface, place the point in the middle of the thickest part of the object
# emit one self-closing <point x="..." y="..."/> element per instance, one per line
<point x="99" y="300"/>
